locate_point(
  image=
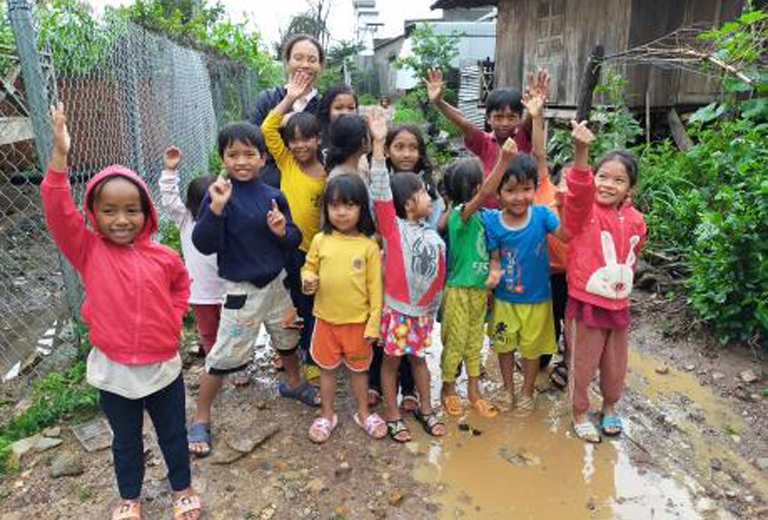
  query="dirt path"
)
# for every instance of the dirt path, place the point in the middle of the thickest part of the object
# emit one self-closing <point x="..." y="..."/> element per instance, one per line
<point x="695" y="441"/>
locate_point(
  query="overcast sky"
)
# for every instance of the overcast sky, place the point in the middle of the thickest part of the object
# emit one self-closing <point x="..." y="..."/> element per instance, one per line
<point x="269" y="16"/>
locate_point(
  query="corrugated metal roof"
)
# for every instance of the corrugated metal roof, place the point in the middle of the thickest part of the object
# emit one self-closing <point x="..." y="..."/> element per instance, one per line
<point x="450" y="4"/>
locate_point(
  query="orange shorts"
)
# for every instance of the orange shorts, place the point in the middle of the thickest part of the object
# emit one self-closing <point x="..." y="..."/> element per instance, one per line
<point x="332" y="344"/>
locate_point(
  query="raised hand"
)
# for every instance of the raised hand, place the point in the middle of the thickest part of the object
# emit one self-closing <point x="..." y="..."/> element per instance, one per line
<point x="171" y="158"/>
<point x="534" y="103"/>
<point x="298" y="85"/>
<point x="61" y="138"/>
<point x="276" y="220"/>
<point x="509" y="148"/>
<point x="220" y="192"/>
<point x="538" y="84"/>
<point x="377" y="124"/>
<point x="581" y="135"/>
<point x="434" y="83"/>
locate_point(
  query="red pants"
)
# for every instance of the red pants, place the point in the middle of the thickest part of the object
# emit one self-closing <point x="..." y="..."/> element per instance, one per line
<point x="593" y="349"/>
<point x="207" y="319"/>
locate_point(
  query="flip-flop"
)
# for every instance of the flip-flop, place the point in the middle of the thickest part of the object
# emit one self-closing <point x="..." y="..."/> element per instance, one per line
<point x="611" y="421"/>
<point x="485" y="408"/>
<point x="304" y="393"/>
<point x="414" y="403"/>
<point x="430" y="422"/>
<point x="322" y="428"/>
<point x="128" y="510"/>
<point x="200" y="433"/>
<point x="374" y="426"/>
<point x="587" y="432"/>
<point x="559" y="375"/>
<point x="452" y="405"/>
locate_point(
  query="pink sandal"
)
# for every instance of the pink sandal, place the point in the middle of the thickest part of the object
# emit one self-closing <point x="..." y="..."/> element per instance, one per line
<point x="128" y="510"/>
<point x="187" y="504"/>
<point x="374" y="426"/>
<point x="322" y="428"/>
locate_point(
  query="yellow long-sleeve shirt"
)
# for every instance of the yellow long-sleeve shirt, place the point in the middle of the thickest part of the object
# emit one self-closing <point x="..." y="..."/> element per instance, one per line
<point x="304" y="193"/>
<point x="349" y="268"/>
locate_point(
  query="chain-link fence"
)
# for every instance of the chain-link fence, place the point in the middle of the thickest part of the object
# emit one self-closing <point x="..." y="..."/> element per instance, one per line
<point x="128" y="94"/>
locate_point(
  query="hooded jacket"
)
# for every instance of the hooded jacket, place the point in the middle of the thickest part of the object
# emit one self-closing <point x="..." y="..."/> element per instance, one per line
<point x="135" y="295"/>
<point x="603" y="247"/>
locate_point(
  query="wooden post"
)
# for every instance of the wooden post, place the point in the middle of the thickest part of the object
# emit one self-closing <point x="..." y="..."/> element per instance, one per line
<point x="677" y="128"/>
<point x="589" y="82"/>
<point x="648" y="116"/>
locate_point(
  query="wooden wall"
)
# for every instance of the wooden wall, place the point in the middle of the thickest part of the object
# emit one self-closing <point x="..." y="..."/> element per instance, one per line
<point x="560" y="34"/>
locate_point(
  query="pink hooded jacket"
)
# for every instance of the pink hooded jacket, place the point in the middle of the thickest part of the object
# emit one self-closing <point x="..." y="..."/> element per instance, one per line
<point x="135" y="295"/>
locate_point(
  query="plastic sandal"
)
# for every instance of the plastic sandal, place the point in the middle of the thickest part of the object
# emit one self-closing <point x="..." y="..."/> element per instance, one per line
<point x="485" y="408"/>
<point x="396" y="429"/>
<point x="304" y="393"/>
<point x="525" y="406"/>
<point x="200" y="433"/>
<point x="587" y="432"/>
<point x="430" y="423"/>
<point x="373" y="425"/>
<point x="410" y="403"/>
<point x="559" y="376"/>
<point x="322" y="428"/>
<point x="611" y="421"/>
<point x="187" y="504"/>
<point x="452" y="405"/>
<point x="128" y="510"/>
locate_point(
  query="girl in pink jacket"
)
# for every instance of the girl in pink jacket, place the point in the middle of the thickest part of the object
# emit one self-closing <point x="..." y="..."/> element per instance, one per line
<point x="606" y="234"/>
<point x="136" y="293"/>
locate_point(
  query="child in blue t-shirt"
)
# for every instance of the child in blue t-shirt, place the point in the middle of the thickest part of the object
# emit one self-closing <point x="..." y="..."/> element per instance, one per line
<point x="519" y="273"/>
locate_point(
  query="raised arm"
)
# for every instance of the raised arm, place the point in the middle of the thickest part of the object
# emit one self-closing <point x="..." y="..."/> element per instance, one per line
<point x="434" y="83"/>
<point x="537" y="86"/>
<point x="491" y="184"/>
<point x="271" y="127"/>
<point x="381" y="192"/>
<point x="580" y="198"/>
<point x="170" y="199"/>
<point x="534" y="105"/>
<point x="64" y="220"/>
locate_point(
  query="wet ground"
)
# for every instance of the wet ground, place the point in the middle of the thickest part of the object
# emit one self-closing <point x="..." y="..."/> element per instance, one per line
<point x="693" y="448"/>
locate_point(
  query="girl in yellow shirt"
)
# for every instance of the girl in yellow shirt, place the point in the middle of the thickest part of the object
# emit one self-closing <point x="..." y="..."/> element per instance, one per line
<point x="343" y="271"/>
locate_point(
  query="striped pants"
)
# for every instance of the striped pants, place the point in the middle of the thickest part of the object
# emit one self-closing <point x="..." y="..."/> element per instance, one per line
<point x="462" y="332"/>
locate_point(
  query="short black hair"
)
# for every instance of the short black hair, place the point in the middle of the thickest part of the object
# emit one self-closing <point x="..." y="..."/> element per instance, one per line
<point x="308" y="125"/>
<point x="628" y="160"/>
<point x="347" y="136"/>
<point x="348" y="188"/>
<point x="558" y="170"/>
<point x="324" y="112"/>
<point x="463" y="177"/>
<point x="196" y="191"/>
<point x="500" y="98"/>
<point x="523" y="168"/>
<point x="404" y="186"/>
<point x="296" y="38"/>
<point x="93" y="195"/>
<point x="423" y="165"/>
<point x="244" y="132"/>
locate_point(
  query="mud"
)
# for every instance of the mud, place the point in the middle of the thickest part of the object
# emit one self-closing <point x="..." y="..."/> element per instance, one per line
<point x="690" y="451"/>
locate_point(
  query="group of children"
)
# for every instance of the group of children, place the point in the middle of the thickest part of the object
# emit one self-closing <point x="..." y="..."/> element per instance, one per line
<point x="362" y="235"/>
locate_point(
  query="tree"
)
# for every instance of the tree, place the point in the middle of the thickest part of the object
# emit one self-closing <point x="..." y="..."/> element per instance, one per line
<point x="313" y="21"/>
<point x="430" y="50"/>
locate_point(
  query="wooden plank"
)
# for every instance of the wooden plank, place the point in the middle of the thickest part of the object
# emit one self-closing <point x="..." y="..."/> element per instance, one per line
<point x="15" y="129"/>
<point x="677" y="128"/>
<point x="589" y="82"/>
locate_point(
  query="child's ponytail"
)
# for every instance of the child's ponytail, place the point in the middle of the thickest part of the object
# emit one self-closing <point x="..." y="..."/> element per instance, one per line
<point x="348" y="135"/>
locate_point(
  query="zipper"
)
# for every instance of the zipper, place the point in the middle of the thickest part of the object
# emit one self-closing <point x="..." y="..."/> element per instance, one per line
<point x="139" y="302"/>
<point x="623" y="258"/>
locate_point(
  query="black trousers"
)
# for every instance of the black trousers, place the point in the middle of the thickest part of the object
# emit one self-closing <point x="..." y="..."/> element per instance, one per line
<point x="559" y="299"/>
<point x="404" y="376"/>
<point x="166" y="408"/>
<point x="303" y="302"/>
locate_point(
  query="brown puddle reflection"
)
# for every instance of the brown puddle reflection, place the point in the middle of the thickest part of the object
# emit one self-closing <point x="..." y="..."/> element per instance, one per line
<point x="534" y="467"/>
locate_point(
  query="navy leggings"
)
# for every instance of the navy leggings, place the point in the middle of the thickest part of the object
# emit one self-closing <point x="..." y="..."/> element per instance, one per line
<point x="304" y="303"/>
<point x="166" y="408"/>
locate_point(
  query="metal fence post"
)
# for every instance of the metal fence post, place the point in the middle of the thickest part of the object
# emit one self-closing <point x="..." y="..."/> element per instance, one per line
<point x="38" y="100"/>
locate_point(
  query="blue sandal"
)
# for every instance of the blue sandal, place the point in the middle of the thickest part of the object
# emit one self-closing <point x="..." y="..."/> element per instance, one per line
<point x="304" y="393"/>
<point x="200" y="433"/>
<point x="611" y="421"/>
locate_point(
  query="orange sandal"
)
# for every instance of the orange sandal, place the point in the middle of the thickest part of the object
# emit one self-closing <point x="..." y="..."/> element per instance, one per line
<point x="185" y="505"/>
<point x="485" y="408"/>
<point x="452" y="405"/>
<point x="128" y="510"/>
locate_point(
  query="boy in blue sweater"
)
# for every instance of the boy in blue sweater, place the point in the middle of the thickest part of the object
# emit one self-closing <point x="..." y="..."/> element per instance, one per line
<point x="247" y="223"/>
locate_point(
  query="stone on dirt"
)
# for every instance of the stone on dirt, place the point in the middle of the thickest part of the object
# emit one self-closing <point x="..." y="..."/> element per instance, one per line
<point x="315" y="485"/>
<point x="748" y="376"/>
<point x="54" y="431"/>
<point x="66" y="464"/>
<point x="662" y="369"/>
<point x="762" y="463"/>
<point x="247" y="440"/>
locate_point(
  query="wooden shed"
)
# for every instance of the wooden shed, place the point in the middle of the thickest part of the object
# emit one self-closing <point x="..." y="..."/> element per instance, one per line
<point x="559" y="35"/>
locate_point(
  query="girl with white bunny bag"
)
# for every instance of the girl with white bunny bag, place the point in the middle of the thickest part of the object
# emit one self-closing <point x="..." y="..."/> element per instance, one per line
<point x="606" y="234"/>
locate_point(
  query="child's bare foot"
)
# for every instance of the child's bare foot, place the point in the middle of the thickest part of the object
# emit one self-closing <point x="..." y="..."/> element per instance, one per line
<point x="187" y="505"/>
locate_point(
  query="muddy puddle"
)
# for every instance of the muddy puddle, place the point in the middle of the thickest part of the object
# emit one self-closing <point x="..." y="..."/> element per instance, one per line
<point x="535" y="468"/>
